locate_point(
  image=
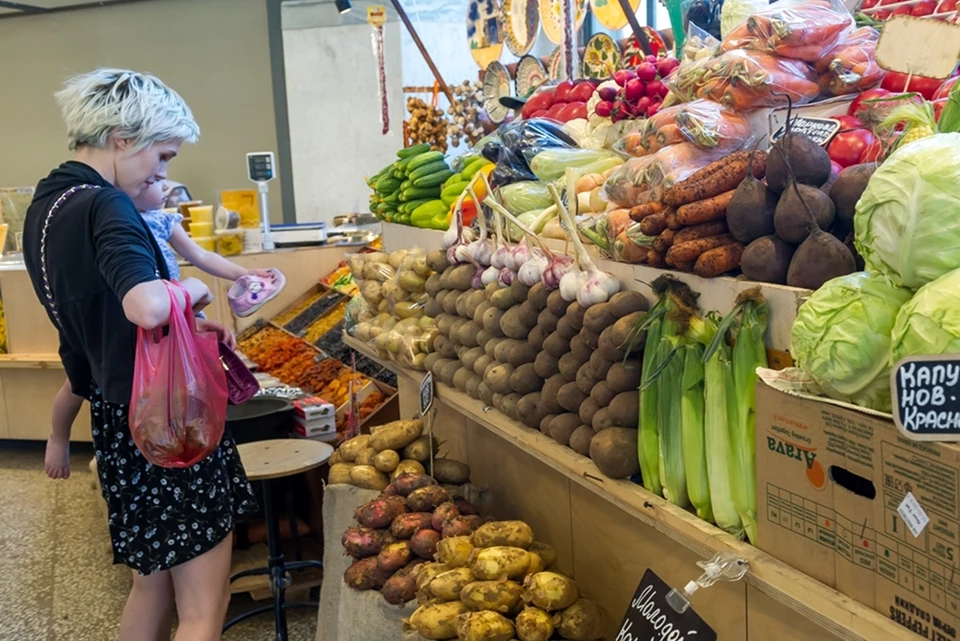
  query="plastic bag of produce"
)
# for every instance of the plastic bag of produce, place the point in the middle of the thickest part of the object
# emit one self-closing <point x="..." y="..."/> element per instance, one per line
<point x="626" y="186"/>
<point x="631" y="245"/>
<point x="552" y="164"/>
<point x="519" y="144"/>
<point x="929" y="323"/>
<point x="907" y="223"/>
<point x="841" y="337"/>
<point x="797" y="29"/>
<point x="850" y="66"/>
<point x="524" y="196"/>
<point x="658" y="131"/>
<point x="672" y="164"/>
<point x="710" y="126"/>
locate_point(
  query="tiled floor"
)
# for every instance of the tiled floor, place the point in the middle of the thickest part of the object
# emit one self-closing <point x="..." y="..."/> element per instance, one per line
<point x="57" y="582"/>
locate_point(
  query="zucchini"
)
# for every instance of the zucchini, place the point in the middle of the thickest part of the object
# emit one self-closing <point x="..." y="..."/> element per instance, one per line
<point x="429" y="168"/>
<point x="433" y="180"/>
<point x="419" y="193"/>
<point x="416" y="150"/>
<point x="423" y="159"/>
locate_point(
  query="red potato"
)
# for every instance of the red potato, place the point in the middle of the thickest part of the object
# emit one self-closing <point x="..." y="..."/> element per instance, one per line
<point x="379" y="513"/>
<point x="399" y="589"/>
<point x="365" y="575"/>
<point x="361" y="542"/>
<point x="393" y="557"/>
<point x="443" y="513"/>
<point x="406" y="525"/>
<point x="407" y="483"/>
<point x="424" y="543"/>
<point x="466" y="507"/>
<point x="461" y="526"/>
<point x="426" y="499"/>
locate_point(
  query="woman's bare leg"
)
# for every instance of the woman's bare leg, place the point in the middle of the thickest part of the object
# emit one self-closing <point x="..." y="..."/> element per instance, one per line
<point x="202" y="589"/>
<point x="148" y="614"/>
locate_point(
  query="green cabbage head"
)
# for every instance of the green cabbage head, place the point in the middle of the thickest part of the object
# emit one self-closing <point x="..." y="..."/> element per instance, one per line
<point x="930" y="322"/>
<point x="841" y="337"/>
<point x="907" y="223"/>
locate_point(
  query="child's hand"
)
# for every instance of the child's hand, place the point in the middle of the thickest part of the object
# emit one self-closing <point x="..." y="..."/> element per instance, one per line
<point x="262" y="273"/>
<point x="56" y="460"/>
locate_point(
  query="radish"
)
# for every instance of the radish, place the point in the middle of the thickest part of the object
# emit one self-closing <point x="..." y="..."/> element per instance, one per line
<point x="604" y="108"/>
<point x="642" y="105"/>
<point x="608" y="94"/>
<point x="656" y="89"/>
<point x="633" y="90"/>
<point x="654" y="107"/>
<point x="623" y="76"/>
<point x="647" y="72"/>
<point x="652" y="59"/>
<point x="665" y="66"/>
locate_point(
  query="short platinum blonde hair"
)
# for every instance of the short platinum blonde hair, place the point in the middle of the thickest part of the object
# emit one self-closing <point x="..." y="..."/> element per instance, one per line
<point x="126" y="104"/>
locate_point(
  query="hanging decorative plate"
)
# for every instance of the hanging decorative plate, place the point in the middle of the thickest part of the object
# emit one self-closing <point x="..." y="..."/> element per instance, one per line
<point x="496" y="84"/>
<point x="530" y="74"/>
<point x="551" y="17"/>
<point x="483" y="31"/>
<point x="601" y="57"/>
<point x="633" y="54"/>
<point x="610" y="14"/>
<point x="520" y="24"/>
<point x="555" y="69"/>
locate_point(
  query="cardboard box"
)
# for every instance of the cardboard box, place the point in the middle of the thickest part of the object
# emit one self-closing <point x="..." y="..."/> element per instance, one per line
<point x="830" y="481"/>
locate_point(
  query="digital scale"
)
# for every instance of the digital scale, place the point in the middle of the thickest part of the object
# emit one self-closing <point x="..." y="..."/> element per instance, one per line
<point x="261" y="169"/>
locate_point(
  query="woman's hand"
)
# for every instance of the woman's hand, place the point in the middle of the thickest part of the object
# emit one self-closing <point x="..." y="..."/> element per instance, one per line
<point x="223" y="334"/>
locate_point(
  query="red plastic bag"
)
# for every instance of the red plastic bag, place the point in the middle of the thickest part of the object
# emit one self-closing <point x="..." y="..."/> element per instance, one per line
<point x="179" y="404"/>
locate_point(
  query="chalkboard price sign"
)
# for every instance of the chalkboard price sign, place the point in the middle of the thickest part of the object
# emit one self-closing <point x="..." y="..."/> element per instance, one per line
<point x="926" y="397"/>
<point x="819" y="130"/>
<point x="426" y="393"/>
<point x="650" y="616"/>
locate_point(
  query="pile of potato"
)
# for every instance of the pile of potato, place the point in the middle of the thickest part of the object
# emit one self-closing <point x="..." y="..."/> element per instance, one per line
<point x="493" y="585"/>
<point x="371" y="461"/>
<point x="542" y="361"/>
<point x="392" y="285"/>
<point x="399" y="531"/>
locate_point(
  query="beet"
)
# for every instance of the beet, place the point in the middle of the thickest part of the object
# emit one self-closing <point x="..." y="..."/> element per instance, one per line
<point x="767" y="259"/>
<point x="398" y="589"/>
<point x="818" y="259"/>
<point x="750" y="212"/>
<point x="424" y="543"/>
<point x="810" y="162"/>
<point x="846" y="191"/>
<point x="443" y="513"/>
<point x="406" y="525"/>
<point x="361" y="542"/>
<point x="393" y="557"/>
<point x="426" y="499"/>
<point x="379" y="513"/>
<point x="365" y="575"/>
<point x="792" y="215"/>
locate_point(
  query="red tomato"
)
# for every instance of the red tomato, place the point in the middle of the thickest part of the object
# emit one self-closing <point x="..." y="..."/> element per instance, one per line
<point x="562" y="92"/>
<point x="902" y="11"/>
<point x="881" y="15"/>
<point x="944" y="90"/>
<point x="537" y="102"/>
<point x="869" y="4"/>
<point x="539" y="114"/>
<point x="924" y="8"/>
<point x="571" y="111"/>
<point x="848" y="122"/>
<point x="582" y="92"/>
<point x="873" y="152"/>
<point x="938" y="106"/>
<point x="926" y="87"/>
<point x="947" y="5"/>
<point x="847" y="147"/>
<point x="554" y="111"/>
<point x="869" y="94"/>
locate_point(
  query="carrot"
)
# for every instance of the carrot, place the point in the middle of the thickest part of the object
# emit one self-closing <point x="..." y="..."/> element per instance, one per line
<point x="640" y="212"/>
<point x="672" y="221"/>
<point x="714" y="179"/>
<point x="704" y="211"/>
<point x="690" y="250"/>
<point x="685" y="267"/>
<point x="625" y="249"/>
<point x="663" y="242"/>
<point x="653" y="225"/>
<point x="703" y="230"/>
<point x="718" y="260"/>
<point x="669" y="135"/>
<point x="654" y="258"/>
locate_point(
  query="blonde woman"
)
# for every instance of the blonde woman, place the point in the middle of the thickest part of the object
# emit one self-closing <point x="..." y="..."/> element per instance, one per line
<point x="98" y="271"/>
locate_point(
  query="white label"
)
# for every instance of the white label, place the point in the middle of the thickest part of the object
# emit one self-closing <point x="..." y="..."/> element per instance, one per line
<point x="913" y="515"/>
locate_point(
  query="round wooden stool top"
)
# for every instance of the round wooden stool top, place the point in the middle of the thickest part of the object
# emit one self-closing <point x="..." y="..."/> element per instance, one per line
<point x="274" y="459"/>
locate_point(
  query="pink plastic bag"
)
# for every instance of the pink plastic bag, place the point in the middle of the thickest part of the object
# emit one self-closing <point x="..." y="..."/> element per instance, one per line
<point x="179" y="404"/>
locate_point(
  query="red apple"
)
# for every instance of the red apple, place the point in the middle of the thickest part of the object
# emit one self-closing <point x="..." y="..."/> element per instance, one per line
<point x="554" y="111"/>
<point x="582" y="92"/>
<point x="623" y="76"/>
<point x="646" y="71"/>
<point x="561" y="94"/>
<point x="572" y="110"/>
<point x="924" y="8"/>
<point x="604" y="108"/>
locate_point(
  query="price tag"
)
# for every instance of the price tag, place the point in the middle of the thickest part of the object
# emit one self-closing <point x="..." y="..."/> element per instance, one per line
<point x="819" y="130"/>
<point x="426" y="394"/>
<point x="926" y="397"/>
<point x="913" y="515"/>
<point x="376" y="15"/>
<point x="917" y="46"/>
<point x="650" y="616"/>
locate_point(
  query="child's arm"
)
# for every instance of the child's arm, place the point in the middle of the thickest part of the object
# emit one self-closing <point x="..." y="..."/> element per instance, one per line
<point x="66" y="407"/>
<point x="206" y="261"/>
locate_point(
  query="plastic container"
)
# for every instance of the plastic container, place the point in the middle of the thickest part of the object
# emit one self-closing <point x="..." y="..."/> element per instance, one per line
<point x="201" y="229"/>
<point x="229" y="243"/>
<point x="202" y="214"/>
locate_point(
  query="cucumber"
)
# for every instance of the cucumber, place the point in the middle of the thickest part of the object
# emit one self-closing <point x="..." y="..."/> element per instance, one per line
<point x="416" y="150"/>
<point x="393" y="198"/>
<point x="429" y="168"/>
<point x="412" y="205"/>
<point x="419" y="193"/>
<point x="387" y="185"/>
<point x="406" y="184"/>
<point x="424" y="159"/>
<point x="433" y="180"/>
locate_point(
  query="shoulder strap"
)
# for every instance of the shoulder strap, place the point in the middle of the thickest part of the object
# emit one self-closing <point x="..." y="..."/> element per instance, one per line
<point x="43" y="245"/>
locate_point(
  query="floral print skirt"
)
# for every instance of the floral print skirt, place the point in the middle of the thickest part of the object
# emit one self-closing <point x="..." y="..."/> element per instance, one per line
<point x="161" y="517"/>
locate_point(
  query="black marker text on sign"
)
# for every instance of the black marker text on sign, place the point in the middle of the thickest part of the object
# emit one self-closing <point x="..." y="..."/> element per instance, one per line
<point x="650" y="618"/>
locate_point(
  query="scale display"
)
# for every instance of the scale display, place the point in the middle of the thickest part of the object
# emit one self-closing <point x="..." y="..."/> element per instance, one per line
<point x="261" y="166"/>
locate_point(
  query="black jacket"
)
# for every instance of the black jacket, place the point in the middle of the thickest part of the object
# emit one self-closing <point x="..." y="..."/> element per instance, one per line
<point x="98" y="249"/>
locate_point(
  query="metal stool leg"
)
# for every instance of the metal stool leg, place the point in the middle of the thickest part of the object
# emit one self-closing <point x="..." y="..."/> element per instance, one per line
<point x="292" y="519"/>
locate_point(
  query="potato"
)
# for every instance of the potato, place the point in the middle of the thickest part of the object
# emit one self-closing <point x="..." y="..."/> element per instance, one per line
<point x="396" y="435"/>
<point x="455" y="329"/>
<point x="432" y="308"/>
<point x="622" y="304"/>
<point x="424" y="543"/>
<point x="502" y="351"/>
<point x="438" y="621"/>
<point x="624" y="376"/>
<point x="399" y="589"/>
<point x="351" y="448"/>
<point x="484" y="626"/>
<point x="524" y="379"/>
<point x="546" y="365"/>
<point x="426" y="499"/>
<point x="473" y="301"/>
<point x="565" y="329"/>
<point x="598" y="317"/>
<point x="482" y="337"/>
<point x="607" y="348"/>
<point x="467" y="334"/>
<point x="550" y="591"/>
<point x="498" y="379"/>
<point x="496" y="596"/>
<point x="503" y="299"/>
<point x="579" y="349"/>
<point x="574" y="315"/>
<point x="556" y="345"/>
<point x="448" y="585"/>
<point x="379" y="513"/>
<point x="536" y="338"/>
<point x="430" y="360"/>
<point x="459" y="277"/>
<point x="545" y="423"/>
<point x="419" y="450"/>
<point x="438" y="367"/>
<point x="406" y="525"/>
<point x="473" y="385"/>
<point x="537" y="296"/>
<point x="407" y="467"/>
<point x="520" y="353"/>
<point x="569" y="365"/>
<point x="335" y="458"/>
<point x="625" y="409"/>
<point x="512" y="325"/>
<point x="445" y="321"/>
<point x="515" y="534"/>
<point x="580" y="439"/>
<point x="393" y="557"/>
<point x="536" y="565"/>
<point x="445" y="347"/>
<point x="451" y="471"/>
<point x="585" y="380"/>
<point x="461" y="377"/>
<point x="614" y="451"/>
<point x="547" y="322"/>
<point x="590" y="338"/>
<point x="450" y="304"/>
<point x="510" y="405"/>
<point x="339" y="473"/>
<point x="624" y="334"/>
<point x="519" y="290"/>
<point x="368" y="477"/>
<point x="449" y="371"/>
<point x="361" y="542"/>
<point x="530" y="409"/>
<point x="364" y="575"/>
<point x="545" y="551"/>
<point x="528" y="314"/>
<point x="481" y="311"/>
<point x="485" y="393"/>
<point x="454" y="551"/>
<point x="432" y="285"/>
<point x="502" y="562"/>
<point x="490" y="348"/>
<point x="427" y="572"/>
<point x="582" y="621"/>
<point x="437" y="260"/>
<point x="470" y="357"/>
<point x="599" y="366"/>
<point x="534" y="624"/>
<point x="365" y="457"/>
<point x="587" y="411"/>
<point x="570" y="397"/>
<point x="386" y="461"/>
<point x="556" y="304"/>
<point x="602" y="420"/>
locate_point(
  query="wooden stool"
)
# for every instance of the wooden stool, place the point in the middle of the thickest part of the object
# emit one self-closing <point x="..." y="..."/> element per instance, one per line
<point x="267" y="461"/>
